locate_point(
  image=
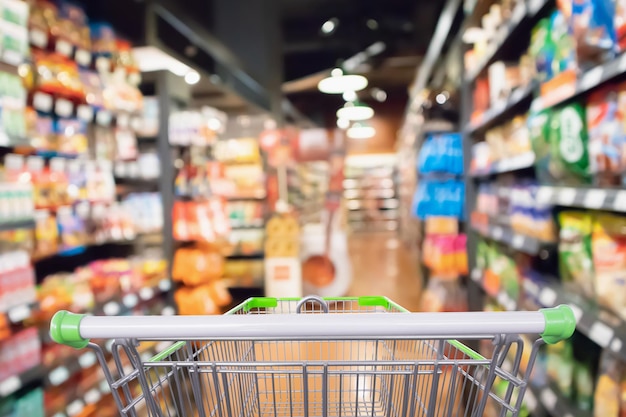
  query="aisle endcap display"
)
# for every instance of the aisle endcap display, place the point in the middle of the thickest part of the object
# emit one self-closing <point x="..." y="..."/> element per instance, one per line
<point x="283" y="270"/>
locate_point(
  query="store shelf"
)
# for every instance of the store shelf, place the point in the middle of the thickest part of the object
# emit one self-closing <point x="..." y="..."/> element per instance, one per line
<point x="586" y="82"/>
<point x="549" y="401"/>
<point x="95" y="392"/>
<point x="501" y="110"/>
<point x="246" y="256"/>
<point x="611" y="199"/>
<point x="516" y="163"/>
<point x="79" y="250"/>
<point x="22" y="224"/>
<point x="15" y="383"/>
<point x="19" y="313"/>
<point x="518" y="241"/>
<point x="598" y="323"/>
<point x="137" y="182"/>
<point x="505" y="34"/>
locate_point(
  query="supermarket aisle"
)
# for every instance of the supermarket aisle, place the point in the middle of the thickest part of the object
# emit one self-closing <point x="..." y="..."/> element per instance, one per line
<point x="381" y="265"/>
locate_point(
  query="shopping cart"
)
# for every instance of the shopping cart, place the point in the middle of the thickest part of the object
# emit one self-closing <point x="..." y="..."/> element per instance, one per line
<point x="316" y="358"/>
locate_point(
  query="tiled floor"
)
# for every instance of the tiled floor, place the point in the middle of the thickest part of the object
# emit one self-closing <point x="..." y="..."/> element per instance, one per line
<point x="382" y="265"/>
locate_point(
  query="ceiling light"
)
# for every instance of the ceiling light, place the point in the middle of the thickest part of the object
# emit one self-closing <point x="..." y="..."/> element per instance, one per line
<point x="349" y="96"/>
<point x="192" y="77"/>
<point x="372" y="24"/>
<point x="355" y="112"/>
<point x="343" y="123"/>
<point x="330" y="26"/>
<point x="359" y="131"/>
<point x="339" y="83"/>
<point x="441" y="98"/>
<point x="379" y="95"/>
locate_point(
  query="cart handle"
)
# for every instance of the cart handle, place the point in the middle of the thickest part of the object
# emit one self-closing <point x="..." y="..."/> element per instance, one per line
<point x="553" y="324"/>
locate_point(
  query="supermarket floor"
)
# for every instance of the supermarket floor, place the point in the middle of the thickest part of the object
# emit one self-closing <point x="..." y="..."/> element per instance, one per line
<point x="382" y="265"/>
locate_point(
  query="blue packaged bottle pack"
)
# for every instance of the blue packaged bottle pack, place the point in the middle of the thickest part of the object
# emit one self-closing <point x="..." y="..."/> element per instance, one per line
<point x="441" y="153"/>
<point x="439" y="198"/>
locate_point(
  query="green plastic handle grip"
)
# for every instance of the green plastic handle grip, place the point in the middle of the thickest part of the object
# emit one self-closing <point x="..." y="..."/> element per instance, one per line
<point x="560" y="323"/>
<point x="65" y="329"/>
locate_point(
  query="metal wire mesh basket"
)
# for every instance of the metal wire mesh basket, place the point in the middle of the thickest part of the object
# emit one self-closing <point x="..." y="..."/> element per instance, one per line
<point x="316" y="357"/>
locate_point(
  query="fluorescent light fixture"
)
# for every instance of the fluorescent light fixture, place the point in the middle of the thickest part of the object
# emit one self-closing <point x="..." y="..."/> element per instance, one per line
<point x="355" y="112"/>
<point x="330" y="26"/>
<point x="343" y="123"/>
<point x="192" y="77"/>
<point x="359" y="131"/>
<point x="339" y="83"/>
<point x="441" y="98"/>
<point x="349" y="96"/>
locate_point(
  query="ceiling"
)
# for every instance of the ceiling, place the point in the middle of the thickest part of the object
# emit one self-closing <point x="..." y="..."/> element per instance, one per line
<point x="405" y="27"/>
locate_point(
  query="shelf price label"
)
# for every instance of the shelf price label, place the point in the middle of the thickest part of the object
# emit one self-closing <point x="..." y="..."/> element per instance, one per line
<point x="567" y="196"/>
<point x="548" y="397"/>
<point x="165" y="285"/>
<point x="130" y="300"/>
<point x="43" y="102"/>
<point x="592" y="78"/>
<point x="497" y="233"/>
<point x="9" y="386"/>
<point x="87" y="360"/>
<point x="83" y="57"/>
<point x="75" y="407"/>
<point x="601" y="334"/>
<point x="63" y="107"/>
<point x="85" y="113"/>
<point x="63" y="47"/>
<point x="620" y="201"/>
<point x="19" y="313"/>
<point x="146" y="293"/>
<point x="616" y="345"/>
<point x="547" y="297"/>
<point x="58" y="375"/>
<point x="518" y="241"/>
<point x="92" y="396"/>
<point x="111" y="308"/>
<point x="594" y="199"/>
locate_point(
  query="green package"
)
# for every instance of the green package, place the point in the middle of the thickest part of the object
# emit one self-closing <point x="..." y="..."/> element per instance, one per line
<point x="561" y="366"/>
<point x="584" y="386"/>
<point x="575" y="259"/>
<point x="569" y="157"/>
<point x="539" y="131"/>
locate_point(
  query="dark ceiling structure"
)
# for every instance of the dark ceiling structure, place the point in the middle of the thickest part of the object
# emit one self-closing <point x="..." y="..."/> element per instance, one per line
<point x="252" y="47"/>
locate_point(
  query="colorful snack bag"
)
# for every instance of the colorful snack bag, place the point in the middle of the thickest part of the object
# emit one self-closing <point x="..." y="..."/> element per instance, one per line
<point x="609" y="259"/>
<point x="569" y="159"/>
<point x="593" y="29"/>
<point x="605" y="136"/>
<point x="575" y="260"/>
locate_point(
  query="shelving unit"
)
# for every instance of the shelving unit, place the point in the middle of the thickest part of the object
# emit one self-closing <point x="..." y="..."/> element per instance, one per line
<point x="597" y="323"/>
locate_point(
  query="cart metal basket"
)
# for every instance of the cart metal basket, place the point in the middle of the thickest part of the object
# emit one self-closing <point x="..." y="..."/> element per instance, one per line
<point x="316" y="357"/>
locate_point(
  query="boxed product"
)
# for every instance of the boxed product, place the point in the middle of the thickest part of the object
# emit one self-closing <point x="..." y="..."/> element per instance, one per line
<point x="609" y="261"/>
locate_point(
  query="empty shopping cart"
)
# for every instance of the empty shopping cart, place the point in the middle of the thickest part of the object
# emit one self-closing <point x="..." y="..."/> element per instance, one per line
<point x="317" y="357"/>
